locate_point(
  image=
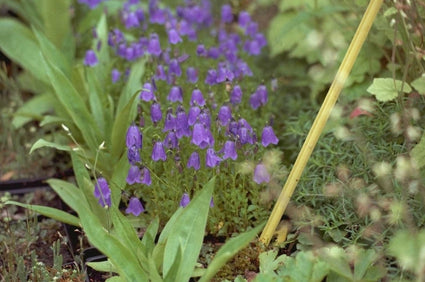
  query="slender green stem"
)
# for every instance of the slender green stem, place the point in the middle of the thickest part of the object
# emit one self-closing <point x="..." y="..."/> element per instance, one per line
<point x="320" y="121"/>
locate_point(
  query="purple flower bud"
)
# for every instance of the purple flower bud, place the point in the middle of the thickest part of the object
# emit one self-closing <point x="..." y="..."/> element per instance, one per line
<point x="211" y="78"/>
<point x="135" y="207"/>
<point x="130" y="20"/>
<point x="133" y="175"/>
<point x="251" y="29"/>
<point x="156" y="113"/>
<point x="160" y="73"/>
<point x="224" y="115"/>
<point x="115" y="75"/>
<point x="197" y="98"/>
<point x="182" y="124"/>
<point x="226" y="14"/>
<point x="254" y="100"/>
<point x="268" y="137"/>
<point x="173" y="36"/>
<point x="193" y="114"/>
<point x="262" y="41"/>
<point x="147" y="92"/>
<point x="134" y="137"/>
<point x="212" y="159"/>
<point x="146" y="179"/>
<point x="229" y="150"/>
<point x="185" y="200"/>
<point x="90" y="58"/>
<point x="201" y="51"/>
<point x="252" y="47"/>
<point x="175" y="67"/>
<point x="133" y="155"/>
<point x="176" y="94"/>
<point x="171" y="141"/>
<point x="102" y="192"/>
<point x="214" y="53"/>
<point x="194" y="161"/>
<point x="192" y="75"/>
<point x="212" y="202"/>
<point x="244" y="19"/>
<point x="154" y="46"/>
<point x="170" y="121"/>
<point x="261" y="174"/>
<point x="236" y="95"/>
<point x="158" y="152"/>
<point x="140" y="15"/>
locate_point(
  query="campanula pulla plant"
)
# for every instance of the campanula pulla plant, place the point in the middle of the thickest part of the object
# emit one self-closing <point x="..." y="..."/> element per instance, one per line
<point x="192" y="113"/>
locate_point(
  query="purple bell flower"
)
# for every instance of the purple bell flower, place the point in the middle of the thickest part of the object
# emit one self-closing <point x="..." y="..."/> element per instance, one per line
<point x="173" y="36"/>
<point x="199" y="135"/>
<point x="205" y="118"/>
<point x="229" y="150"/>
<point x="212" y="159"/>
<point x="133" y="155"/>
<point x="254" y="100"/>
<point x="158" y="152"/>
<point x="226" y="14"/>
<point x="115" y="75"/>
<point x="175" y="68"/>
<point x="268" y="137"/>
<point x="261" y="174"/>
<point x="214" y="53"/>
<point x="90" y="59"/>
<point x="135" y="207"/>
<point x="252" y="47"/>
<point x="193" y="114"/>
<point x="224" y="115"/>
<point x="201" y="51"/>
<point x="211" y="78"/>
<point x="154" y="46"/>
<point x="146" y="177"/>
<point x="236" y="95"/>
<point x="182" y="124"/>
<point x="156" y="113"/>
<point x="212" y="202"/>
<point x="192" y="74"/>
<point x="160" y="73"/>
<point x="147" y="92"/>
<point x="130" y="20"/>
<point x="197" y="98"/>
<point x="259" y="97"/>
<point x="244" y="19"/>
<point x="102" y="192"/>
<point x="176" y="94"/>
<point x="185" y="200"/>
<point x="133" y="175"/>
<point x="171" y="141"/>
<point x="170" y="121"/>
<point x="194" y="161"/>
<point x="134" y="137"/>
<point x="251" y="29"/>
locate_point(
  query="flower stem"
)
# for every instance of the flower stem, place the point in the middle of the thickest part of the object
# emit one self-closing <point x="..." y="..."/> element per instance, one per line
<point x="321" y="119"/>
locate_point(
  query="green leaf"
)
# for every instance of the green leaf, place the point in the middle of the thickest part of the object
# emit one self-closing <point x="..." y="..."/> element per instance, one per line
<point x="148" y="240"/>
<point x="133" y="84"/>
<point x="387" y="89"/>
<point x="104" y="266"/>
<point x="115" y="279"/>
<point x="50" y="212"/>
<point x="228" y="250"/>
<point x="21" y="47"/>
<point x="408" y="248"/>
<point x="418" y="152"/>
<point x="56" y="16"/>
<point x="269" y="263"/>
<point x="187" y="233"/>
<point x="53" y="120"/>
<point x="33" y="109"/>
<point x="304" y="267"/>
<point x="419" y="85"/>
<point x="43" y="143"/>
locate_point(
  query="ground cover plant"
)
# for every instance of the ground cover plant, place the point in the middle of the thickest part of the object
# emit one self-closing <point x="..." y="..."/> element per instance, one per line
<point x="176" y="125"/>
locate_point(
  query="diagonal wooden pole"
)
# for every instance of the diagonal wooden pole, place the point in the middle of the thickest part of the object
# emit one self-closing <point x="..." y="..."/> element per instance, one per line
<point x="321" y="119"/>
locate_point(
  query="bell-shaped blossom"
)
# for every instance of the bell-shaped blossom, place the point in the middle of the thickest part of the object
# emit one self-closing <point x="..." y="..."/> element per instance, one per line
<point x="251" y="29"/>
<point x="194" y="161"/>
<point x="130" y="19"/>
<point x="170" y="121"/>
<point x="185" y="200"/>
<point x="226" y="14"/>
<point x="134" y="137"/>
<point x="147" y="92"/>
<point x="171" y="141"/>
<point x="201" y="51"/>
<point x="115" y="75"/>
<point x="197" y="98"/>
<point x="158" y="152"/>
<point x="205" y="118"/>
<point x="115" y="37"/>
<point x="199" y="135"/>
<point x="182" y="124"/>
<point x="140" y="15"/>
<point x="268" y="137"/>
<point x="252" y="47"/>
<point x="160" y="73"/>
<point x="90" y="59"/>
<point x="224" y="115"/>
<point x="192" y="75"/>
<point x="154" y="46"/>
<point x="135" y="207"/>
<point x="173" y="36"/>
<point x="156" y="113"/>
<point x="236" y="95"/>
<point x="229" y="150"/>
<point x="224" y="74"/>
<point x="175" y="94"/>
<point x="212" y="159"/>
<point x="102" y="192"/>
<point x="174" y="67"/>
<point x="193" y="114"/>
<point x="261" y="174"/>
<point x="134" y="175"/>
<point x="259" y="97"/>
<point x="244" y="18"/>
<point x="213" y="53"/>
<point x="146" y="176"/>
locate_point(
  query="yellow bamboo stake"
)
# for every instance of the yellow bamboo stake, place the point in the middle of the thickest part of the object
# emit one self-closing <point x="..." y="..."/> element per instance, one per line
<point x="321" y="119"/>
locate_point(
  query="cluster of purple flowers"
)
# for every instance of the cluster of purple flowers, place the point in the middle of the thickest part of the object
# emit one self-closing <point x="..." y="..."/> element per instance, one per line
<point x="201" y="117"/>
